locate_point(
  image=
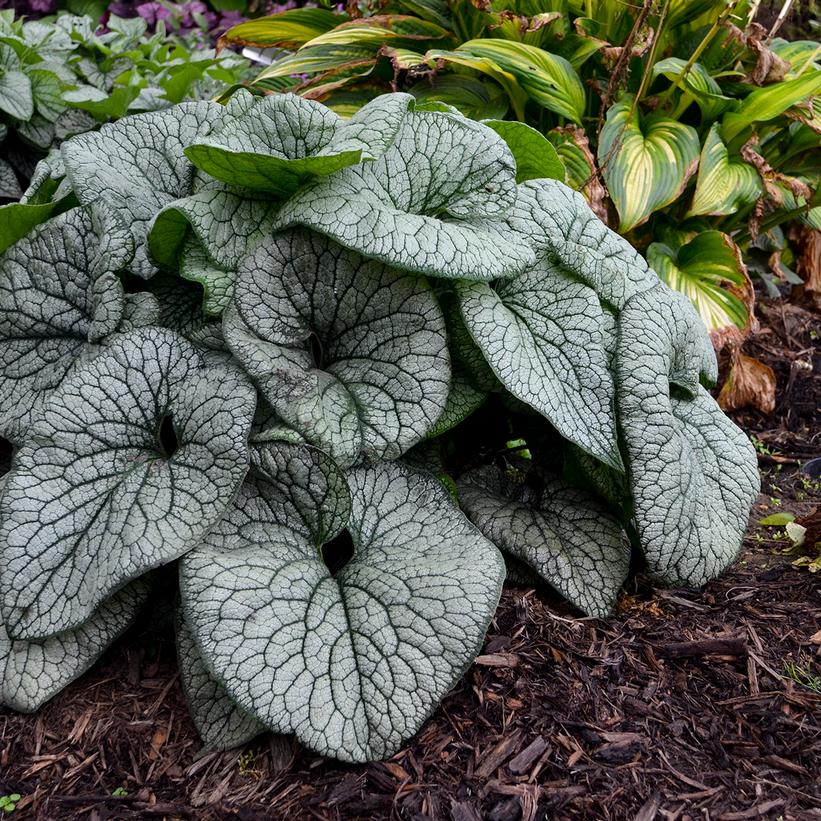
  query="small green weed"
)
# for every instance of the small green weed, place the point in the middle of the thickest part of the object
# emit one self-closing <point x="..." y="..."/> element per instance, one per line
<point x="802" y="674"/>
<point x="8" y="803"/>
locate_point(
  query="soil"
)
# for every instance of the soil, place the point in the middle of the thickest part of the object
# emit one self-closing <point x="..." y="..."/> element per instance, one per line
<point x="687" y="704"/>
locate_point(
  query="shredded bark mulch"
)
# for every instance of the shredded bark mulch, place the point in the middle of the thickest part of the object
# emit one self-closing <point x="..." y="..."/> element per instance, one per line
<point x="685" y="705"/>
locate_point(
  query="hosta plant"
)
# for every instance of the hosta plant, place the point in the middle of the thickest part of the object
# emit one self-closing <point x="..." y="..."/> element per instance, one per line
<point x="336" y="373"/>
<point x="698" y="126"/>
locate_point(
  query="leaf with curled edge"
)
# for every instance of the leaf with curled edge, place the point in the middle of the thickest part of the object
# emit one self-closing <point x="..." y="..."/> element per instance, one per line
<point x="352" y="663"/>
<point x="282" y="140"/>
<point x="693" y="473"/>
<point x="560" y="226"/>
<point x="53" y="313"/>
<point x="221" y="724"/>
<point x="350" y="353"/>
<point x="131" y="462"/>
<point x="432" y="204"/>
<point x="541" y="333"/>
<point x="563" y="533"/>
<point x="134" y="167"/>
<point x="32" y="672"/>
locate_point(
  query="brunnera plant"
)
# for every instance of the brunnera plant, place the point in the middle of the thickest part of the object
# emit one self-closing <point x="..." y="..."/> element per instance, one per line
<point x="338" y="372"/>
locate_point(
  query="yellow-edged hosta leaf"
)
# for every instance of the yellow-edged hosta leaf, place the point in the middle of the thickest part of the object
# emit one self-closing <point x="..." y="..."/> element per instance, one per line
<point x="723" y="185"/>
<point x="316" y="59"/>
<point x="547" y="79"/>
<point x="535" y="156"/>
<point x="402" y="58"/>
<point x="486" y="66"/>
<point x="802" y="55"/>
<point x="288" y="29"/>
<point x="698" y="83"/>
<point x="646" y="164"/>
<point x="767" y="103"/>
<point x="382" y="30"/>
<point x="709" y="270"/>
<point x="474" y="98"/>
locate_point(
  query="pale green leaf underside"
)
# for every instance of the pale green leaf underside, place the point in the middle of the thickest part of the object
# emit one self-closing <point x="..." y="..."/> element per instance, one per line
<point x="136" y="166"/>
<point x="52" y="313"/>
<point x="542" y="335"/>
<point x="221" y="724"/>
<point x="562" y="533"/>
<point x="283" y="140"/>
<point x="693" y="472"/>
<point x="535" y="156"/>
<point x="560" y="226"/>
<point x="432" y="204"/>
<point x="646" y="164"/>
<point x="350" y="353"/>
<point x="352" y="664"/>
<point x="94" y="500"/>
<point x="217" y="281"/>
<point x="32" y="672"/>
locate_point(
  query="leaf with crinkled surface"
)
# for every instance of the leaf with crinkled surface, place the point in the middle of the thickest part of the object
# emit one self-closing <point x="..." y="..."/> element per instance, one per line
<point x="136" y="166"/>
<point x="283" y="140"/>
<point x="9" y="184"/>
<point x="432" y="204"/>
<point x="181" y="309"/>
<point x="463" y="400"/>
<point x="541" y="333"/>
<point x="693" y="473"/>
<point x="563" y="533"/>
<point x="349" y="352"/>
<point x="207" y="234"/>
<point x="32" y="672"/>
<point x="352" y="663"/>
<point x="52" y="314"/>
<point x="221" y="724"/>
<point x="102" y="492"/>
<point x="558" y="222"/>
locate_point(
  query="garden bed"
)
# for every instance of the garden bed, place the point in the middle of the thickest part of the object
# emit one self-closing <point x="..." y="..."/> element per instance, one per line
<point x="686" y="704"/>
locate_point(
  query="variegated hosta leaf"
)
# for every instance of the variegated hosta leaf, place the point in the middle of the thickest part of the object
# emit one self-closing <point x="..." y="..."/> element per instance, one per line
<point x="564" y="534"/>
<point x="542" y="335"/>
<point x="560" y="226"/>
<point x="697" y="82"/>
<point x="352" y="663"/>
<point x="693" y="473"/>
<point x="646" y="164"/>
<point x="53" y="313"/>
<point x="131" y="462"/>
<point x="350" y="353"/>
<point x="133" y="168"/>
<point x="432" y="204"/>
<point x="207" y="234"/>
<point x="722" y="185"/>
<point x="710" y="271"/>
<point x="32" y="672"/>
<point x="220" y="723"/>
<point x="282" y="140"/>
